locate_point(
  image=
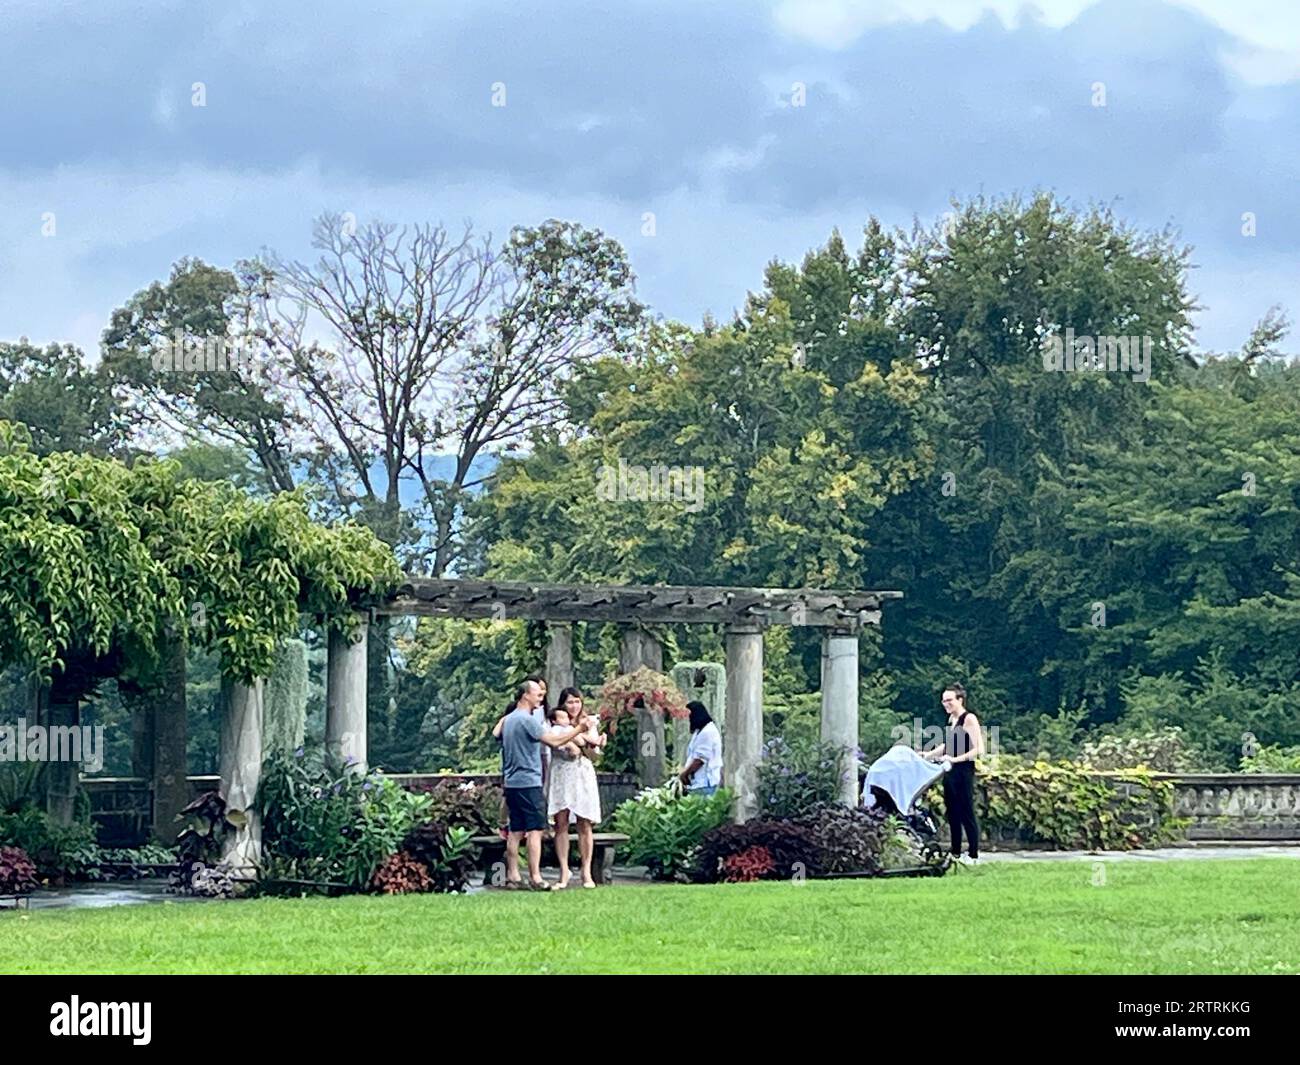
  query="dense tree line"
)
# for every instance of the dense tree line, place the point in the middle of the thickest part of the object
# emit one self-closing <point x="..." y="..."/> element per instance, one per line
<point x="1087" y="550"/>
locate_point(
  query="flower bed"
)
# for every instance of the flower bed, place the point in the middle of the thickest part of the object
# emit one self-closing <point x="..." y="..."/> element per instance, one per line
<point x="801" y="833"/>
<point x="351" y="832"/>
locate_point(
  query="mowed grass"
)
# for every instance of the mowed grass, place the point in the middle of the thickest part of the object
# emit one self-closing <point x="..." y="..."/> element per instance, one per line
<point x="1159" y="917"/>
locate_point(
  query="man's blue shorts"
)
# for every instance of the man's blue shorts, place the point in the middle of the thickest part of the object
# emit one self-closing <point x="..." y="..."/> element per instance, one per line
<point x="527" y="809"/>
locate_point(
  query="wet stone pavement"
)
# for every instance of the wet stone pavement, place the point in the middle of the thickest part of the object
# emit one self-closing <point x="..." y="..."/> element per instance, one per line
<point x="96" y="896"/>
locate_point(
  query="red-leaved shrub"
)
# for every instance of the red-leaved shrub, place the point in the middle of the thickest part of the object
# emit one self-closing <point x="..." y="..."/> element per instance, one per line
<point x="17" y="873"/>
<point x="752" y="864"/>
<point x="401" y="874"/>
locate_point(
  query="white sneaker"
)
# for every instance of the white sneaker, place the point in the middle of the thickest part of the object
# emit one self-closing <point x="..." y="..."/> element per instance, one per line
<point x="966" y="859"/>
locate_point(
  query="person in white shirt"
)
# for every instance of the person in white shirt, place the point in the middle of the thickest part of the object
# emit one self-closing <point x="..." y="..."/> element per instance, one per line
<point x="702" y="774"/>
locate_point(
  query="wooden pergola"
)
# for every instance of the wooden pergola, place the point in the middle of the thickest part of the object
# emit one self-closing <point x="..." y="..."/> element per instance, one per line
<point x="744" y="614"/>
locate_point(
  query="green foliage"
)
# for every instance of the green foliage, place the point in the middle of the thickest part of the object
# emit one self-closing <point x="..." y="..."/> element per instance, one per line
<point x="1163" y="750"/>
<point x="61" y="852"/>
<point x="444" y="852"/>
<point x="1050" y="737"/>
<point x="796" y="775"/>
<point x="21" y="784"/>
<point x="1072" y="807"/>
<point x="333" y="827"/>
<point x="665" y="826"/>
<point x="206" y="825"/>
<point x="147" y="855"/>
<point x="64" y="405"/>
<point x="458" y="677"/>
<point x="100" y="560"/>
<point x="1272" y="759"/>
<point x="465" y="804"/>
<point x="794" y="718"/>
<point x="1224" y="713"/>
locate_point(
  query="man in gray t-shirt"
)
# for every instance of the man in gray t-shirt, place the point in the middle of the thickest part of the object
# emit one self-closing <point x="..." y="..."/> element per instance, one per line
<point x="521" y="749"/>
<point x="523" y="734"/>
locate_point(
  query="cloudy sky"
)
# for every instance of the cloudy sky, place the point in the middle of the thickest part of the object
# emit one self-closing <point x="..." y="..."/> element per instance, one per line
<point x="619" y="108"/>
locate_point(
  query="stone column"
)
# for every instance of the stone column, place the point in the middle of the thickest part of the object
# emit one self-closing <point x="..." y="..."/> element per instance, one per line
<point x="640" y="648"/>
<point x="559" y="658"/>
<point x="62" y="774"/>
<point x="169" y="770"/>
<point x="345" y="698"/>
<point x="839" y="724"/>
<point x="742" y="749"/>
<point x="142" y="734"/>
<point x="241" y="772"/>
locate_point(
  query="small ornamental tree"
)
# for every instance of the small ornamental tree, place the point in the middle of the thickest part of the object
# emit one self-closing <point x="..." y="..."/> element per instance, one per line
<point x="102" y="563"/>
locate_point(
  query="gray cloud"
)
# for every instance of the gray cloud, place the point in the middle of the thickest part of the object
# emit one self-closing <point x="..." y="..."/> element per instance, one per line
<point x="642" y="105"/>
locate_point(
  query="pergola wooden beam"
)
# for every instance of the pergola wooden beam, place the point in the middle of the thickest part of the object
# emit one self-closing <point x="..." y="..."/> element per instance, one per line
<point x="655" y="604"/>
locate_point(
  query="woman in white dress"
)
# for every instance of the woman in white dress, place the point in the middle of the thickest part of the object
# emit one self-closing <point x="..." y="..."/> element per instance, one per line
<point x="573" y="791"/>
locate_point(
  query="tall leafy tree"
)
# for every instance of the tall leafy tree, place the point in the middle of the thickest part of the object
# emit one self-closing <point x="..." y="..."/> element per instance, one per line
<point x="64" y="405"/>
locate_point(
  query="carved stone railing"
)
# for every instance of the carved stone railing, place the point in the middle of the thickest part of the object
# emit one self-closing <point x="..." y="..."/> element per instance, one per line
<point x="1238" y="806"/>
<point x="1225" y="807"/>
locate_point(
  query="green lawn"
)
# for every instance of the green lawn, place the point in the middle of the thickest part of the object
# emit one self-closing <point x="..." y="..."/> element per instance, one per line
<point x="1159" y="917"/>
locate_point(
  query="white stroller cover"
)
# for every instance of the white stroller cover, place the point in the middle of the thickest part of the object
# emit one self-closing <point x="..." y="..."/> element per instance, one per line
<point x="902" y="774"/>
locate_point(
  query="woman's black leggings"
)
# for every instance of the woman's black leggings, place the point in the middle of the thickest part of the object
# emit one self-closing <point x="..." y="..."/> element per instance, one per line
<point x="959" y="798"/>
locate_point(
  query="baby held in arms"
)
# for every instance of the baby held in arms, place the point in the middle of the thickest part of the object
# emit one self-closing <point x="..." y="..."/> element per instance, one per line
<point x="593" y="740"/>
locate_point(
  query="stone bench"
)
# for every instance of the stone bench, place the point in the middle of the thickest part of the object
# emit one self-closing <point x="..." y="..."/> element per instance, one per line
<point x="492" y="853"/>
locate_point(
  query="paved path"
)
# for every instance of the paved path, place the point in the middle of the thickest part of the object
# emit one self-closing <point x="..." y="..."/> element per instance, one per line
<point x="95" y="896"/>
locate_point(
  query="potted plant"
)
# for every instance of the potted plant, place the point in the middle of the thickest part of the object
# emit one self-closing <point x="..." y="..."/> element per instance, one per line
<point x="642" y="689"/>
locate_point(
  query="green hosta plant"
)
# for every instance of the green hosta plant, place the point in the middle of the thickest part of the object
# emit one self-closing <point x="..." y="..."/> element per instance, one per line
<point x="665" y="827"/>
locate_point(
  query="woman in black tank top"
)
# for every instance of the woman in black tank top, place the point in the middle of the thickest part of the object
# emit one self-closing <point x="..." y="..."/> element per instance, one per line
<point x="963" y="743"/>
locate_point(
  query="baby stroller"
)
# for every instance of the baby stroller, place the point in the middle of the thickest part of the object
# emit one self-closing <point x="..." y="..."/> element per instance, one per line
<point x="894" y="782"/>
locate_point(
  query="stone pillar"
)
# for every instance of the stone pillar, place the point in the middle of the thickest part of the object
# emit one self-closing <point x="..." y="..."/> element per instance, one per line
<point x="169" y="768"/>
<point x="241" y="772"/>
<point x="345" y="698"/>
<point x="711" y="690"/>
<point x="743" y="747"/>
<point x="284" y="707"/>
<point x="559" y="658"/>
<point x="142" y="734"/>
<point x="62" y="774"/>
<point x="839" y="724"/>
<point x="640" y="648"/>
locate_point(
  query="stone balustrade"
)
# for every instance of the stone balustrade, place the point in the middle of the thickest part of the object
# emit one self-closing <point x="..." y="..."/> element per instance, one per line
<point x="1238" y="806"/>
